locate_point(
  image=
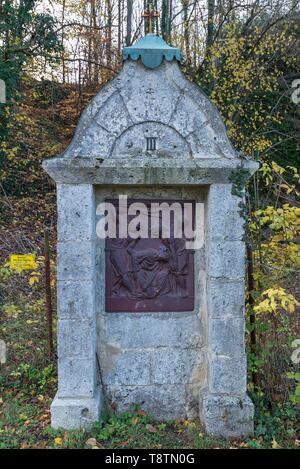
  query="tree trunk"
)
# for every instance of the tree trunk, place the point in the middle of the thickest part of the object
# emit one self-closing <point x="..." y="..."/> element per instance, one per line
<point x="210" y="22"/>
<point x="165" y="19"/>
<point x="62" y="41"/>
<point x="109" y="32"/>
<point x="129" y="23"/>
<point x="186" y="32"/>
<point x="119" y="26"/>
<point x="170" y="19"/>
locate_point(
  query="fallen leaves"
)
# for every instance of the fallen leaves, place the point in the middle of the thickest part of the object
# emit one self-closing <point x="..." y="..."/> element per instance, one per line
<point x="44" y="419"/>
<point x="24" y="445"/>
<point x="151" y="428"/>
<point x="93" y="444"/>
<point x="58" y="441"/>
<point x="243" y="444"/>
<point x="274" y="444"/>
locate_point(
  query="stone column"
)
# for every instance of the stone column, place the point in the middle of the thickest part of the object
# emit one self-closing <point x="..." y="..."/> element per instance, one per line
<point x="225" y="408"/>
<point x="77" y="402"/>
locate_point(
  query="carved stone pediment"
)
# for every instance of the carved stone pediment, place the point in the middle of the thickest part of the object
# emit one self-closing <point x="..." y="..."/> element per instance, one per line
<point x="159" y="103"/>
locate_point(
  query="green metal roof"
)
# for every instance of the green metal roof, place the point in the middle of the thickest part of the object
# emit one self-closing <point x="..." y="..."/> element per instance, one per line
<point x="152" y="50"/>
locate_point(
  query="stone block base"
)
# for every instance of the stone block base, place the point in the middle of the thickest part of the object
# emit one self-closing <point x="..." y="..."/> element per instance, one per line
<point x="161" y="402"/>
<point x="227" y="416"/>
<point x="72" y="414"/>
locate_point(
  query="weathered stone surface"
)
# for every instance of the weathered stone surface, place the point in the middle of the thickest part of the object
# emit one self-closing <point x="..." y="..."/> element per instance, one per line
<point x="76" y="214"/>
<point x="72" y="414"/>
<point x="151" y="97"/>
<point x="130" y="367"/>
<point x="203" y="143"/>
<point x="169" y="143"/>
<point x="225" y="221"/>
<point x="225" y="298"/>
<point x="76" y="338"/>
<point x="164" y="402"/>
<point x="96" y="142"/>
<point x="227" y="336"/>
<point x="76" y="377"/>
<point x="76" y="299"/>
<point x="227" y="375"/>
<point x="148" y="96"/>
<point x="151" y="330"/>
<point x="175" y="366"/>
<point x="75" y="260"/>
<point x="192" y="398"/>
<point x="114" y="116"/>
<point x="186" y="123"/>
<point x="226" y="259"/>
<point x="227" y="416"/>
<point x="142" y="171"/>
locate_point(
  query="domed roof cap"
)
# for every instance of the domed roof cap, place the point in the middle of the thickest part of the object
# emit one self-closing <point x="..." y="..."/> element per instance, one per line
<point x="152" y="50"/>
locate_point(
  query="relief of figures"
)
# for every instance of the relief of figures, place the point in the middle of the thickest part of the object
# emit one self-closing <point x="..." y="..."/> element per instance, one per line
<point x="142" y="271"/>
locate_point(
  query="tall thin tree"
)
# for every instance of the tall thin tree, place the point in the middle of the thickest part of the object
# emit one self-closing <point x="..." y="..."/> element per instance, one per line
<point x="210" y="22"/>
<point x="129" y="23"/>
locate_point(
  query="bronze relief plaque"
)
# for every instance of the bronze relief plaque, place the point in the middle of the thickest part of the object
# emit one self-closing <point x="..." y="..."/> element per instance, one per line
<point x="149" y="274"/>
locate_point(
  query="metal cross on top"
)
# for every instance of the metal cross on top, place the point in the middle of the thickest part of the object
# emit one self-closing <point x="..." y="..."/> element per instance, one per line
<point x="151" y="15"/>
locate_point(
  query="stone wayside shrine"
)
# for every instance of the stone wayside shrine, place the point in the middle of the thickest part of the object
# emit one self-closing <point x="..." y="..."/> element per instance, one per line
<point x="146" y="321"/>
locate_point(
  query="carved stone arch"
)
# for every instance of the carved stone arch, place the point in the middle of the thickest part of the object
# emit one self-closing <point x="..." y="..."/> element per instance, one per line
<point x="163" y="96"/>
<point x="167" y="142"/>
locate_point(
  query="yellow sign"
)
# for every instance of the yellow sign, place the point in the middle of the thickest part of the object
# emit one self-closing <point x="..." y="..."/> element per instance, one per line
<point x="22" y="261"/>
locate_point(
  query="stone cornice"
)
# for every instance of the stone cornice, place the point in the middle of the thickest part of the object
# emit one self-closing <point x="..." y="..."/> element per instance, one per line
<point x="145" y="172"/>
